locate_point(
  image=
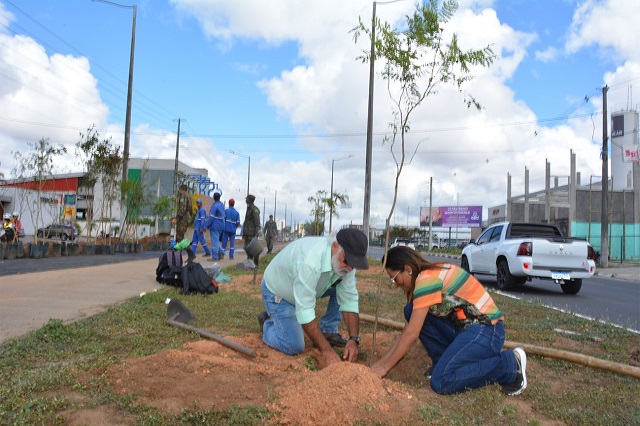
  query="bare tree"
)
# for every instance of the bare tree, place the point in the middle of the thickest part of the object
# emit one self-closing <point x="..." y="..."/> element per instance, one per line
<point x="38" y="167"/>
<point x="417" y="61"/>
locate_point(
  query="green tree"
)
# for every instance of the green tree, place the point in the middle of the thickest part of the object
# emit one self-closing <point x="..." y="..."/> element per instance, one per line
<point x="418" y="60"/>
<point x="163" y="207"/>
<point x="96" y="158"/>
<point x="318" y="214"/>
<point x="139" y="195"/>
<point x="321" y="202"/>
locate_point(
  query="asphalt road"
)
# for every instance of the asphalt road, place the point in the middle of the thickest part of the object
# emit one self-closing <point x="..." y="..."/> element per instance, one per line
<point x="27" y="265"/>
<point x="612" y="300"/>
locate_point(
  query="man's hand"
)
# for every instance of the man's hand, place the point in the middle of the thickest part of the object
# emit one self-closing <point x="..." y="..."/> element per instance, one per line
<point x="319" y="341"/>
<point x="350" y="351"/>
<point x="330" y="356"/>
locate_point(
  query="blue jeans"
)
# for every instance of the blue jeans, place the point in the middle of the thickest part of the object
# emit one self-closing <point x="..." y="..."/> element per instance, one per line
<point x="198" y="237"/>
<point x="231" y="237"/>
<point x="465" y="359"/>
<point x="282" y="330"/>
<point x="215" y="244"/>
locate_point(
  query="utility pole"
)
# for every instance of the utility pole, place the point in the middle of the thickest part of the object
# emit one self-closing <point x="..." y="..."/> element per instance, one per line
<point x="175" y="167"/>
<point x="369" y="148"/>
<point x="430" y="211"/>
<point x="604" y="221"/>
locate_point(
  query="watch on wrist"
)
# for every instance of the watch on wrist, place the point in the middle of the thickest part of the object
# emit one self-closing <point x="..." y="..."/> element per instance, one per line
<point x="355" y="339"/>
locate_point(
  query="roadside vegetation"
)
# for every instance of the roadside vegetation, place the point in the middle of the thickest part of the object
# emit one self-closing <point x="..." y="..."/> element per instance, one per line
<point x="60" y="367"/>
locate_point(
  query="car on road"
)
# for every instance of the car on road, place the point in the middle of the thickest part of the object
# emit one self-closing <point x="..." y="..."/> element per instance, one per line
<point x="403" y="242"/>
<point x="516" y="253"/>
<point x="57" y="230"/>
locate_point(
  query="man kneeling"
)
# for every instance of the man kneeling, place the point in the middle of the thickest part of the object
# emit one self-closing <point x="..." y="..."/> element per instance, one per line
<point x="304" y="271"/>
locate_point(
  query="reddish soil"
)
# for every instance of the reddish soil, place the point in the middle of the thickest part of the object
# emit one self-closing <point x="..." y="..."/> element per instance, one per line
<point x="212" y="376"/>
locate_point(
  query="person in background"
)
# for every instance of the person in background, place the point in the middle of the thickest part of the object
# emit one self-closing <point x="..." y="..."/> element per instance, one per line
<point x="270" y="233"/>
<point x="17" y="225"/>
<point x="231" y="223"/>
<point x="305" y="270"/>
<point x="251" y="226"/>
<point x="8" y="230"/>
<point x="184" y="210"/>
<point x="457" y="322"/>
<point x="215" y="223"/>
<point x="199" y="225"/>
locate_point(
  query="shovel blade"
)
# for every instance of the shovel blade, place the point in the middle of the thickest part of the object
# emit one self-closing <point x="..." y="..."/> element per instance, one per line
<point x="178" y="312"/>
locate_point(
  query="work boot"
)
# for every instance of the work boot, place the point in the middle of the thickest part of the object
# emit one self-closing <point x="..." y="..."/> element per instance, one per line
<point x="335" y="340"/>
<point x="262" y="318"/>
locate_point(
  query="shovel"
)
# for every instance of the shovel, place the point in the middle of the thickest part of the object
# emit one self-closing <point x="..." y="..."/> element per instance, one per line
<point x="180" y="316"/>
<point x="253" y="250"/>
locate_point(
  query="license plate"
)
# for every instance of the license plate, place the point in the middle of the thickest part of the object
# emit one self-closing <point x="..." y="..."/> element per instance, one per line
<point x="560" y="276"/>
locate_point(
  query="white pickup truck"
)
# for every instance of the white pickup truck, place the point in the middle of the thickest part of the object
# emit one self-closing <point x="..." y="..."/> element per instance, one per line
<point x="403" y="242"/>
<point x="517" y="252"/>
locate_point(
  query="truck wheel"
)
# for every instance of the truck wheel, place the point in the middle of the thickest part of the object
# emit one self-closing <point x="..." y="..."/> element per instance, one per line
<point x="571" y="287"/>
<point x="464" y="264"/>
<point x="504" y="279"/>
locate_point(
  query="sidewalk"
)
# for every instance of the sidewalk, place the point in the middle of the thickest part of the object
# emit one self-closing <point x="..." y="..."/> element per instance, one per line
<point x="29" y="300"/>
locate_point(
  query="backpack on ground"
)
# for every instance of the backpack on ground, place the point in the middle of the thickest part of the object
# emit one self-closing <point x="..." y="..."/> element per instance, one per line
<point x="195" y="280"/>
<point x="169" y="270"/>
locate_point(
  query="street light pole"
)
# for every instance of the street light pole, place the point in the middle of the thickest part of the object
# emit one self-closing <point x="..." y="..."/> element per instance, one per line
<point x="127" y="123"/>
<point x="331" y="196"/>
<point x="248" y="169"/>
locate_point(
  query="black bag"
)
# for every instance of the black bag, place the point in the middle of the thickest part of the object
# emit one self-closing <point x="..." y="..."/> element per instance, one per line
<point x="195" y="280"/>
<point x="169" y="268"/>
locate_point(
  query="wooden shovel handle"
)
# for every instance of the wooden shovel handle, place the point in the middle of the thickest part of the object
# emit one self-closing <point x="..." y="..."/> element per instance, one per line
<point x="576" y="358"/>
<point x="221" y="340"/>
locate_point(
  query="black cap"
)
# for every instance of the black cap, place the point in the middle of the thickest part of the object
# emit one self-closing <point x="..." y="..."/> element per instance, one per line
<point x="355" y="244"/>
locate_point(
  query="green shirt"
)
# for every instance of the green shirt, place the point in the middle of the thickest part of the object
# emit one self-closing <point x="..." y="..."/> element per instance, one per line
<point x="301" y="273"/>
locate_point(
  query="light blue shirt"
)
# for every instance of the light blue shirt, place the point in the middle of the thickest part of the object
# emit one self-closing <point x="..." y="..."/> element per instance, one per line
<point x="301" y="273"/>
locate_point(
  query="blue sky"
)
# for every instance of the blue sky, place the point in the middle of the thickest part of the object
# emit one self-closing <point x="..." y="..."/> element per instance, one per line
<point x="279" y="81"/>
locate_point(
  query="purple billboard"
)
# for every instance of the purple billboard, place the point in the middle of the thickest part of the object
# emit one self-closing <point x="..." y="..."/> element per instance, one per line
<point x="450" y="216"/>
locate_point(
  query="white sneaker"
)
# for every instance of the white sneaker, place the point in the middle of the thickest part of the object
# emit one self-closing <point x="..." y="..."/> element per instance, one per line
<point x="520" y="383"/>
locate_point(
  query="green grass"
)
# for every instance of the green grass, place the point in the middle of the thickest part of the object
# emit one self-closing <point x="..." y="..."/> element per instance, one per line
<point x="39" y="370"/>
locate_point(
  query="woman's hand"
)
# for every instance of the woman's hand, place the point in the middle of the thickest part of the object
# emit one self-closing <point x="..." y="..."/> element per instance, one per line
<point x="378" y="370"/>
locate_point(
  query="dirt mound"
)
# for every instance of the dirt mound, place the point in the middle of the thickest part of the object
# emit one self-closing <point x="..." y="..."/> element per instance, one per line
<point x="209" y="375"/>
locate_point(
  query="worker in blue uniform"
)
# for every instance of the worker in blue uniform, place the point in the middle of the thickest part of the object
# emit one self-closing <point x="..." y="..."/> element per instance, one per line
<point x="199" y="226"/>
<point x="231" y="223"/>
<point x="215" y="223"/>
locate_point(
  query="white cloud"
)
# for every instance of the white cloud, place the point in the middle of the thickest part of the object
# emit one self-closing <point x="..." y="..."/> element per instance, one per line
<point x="610" y="24"/>
<point x="37" y="89"/>
<point x="325" y="89"/>
<point x="547" y="55"/>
